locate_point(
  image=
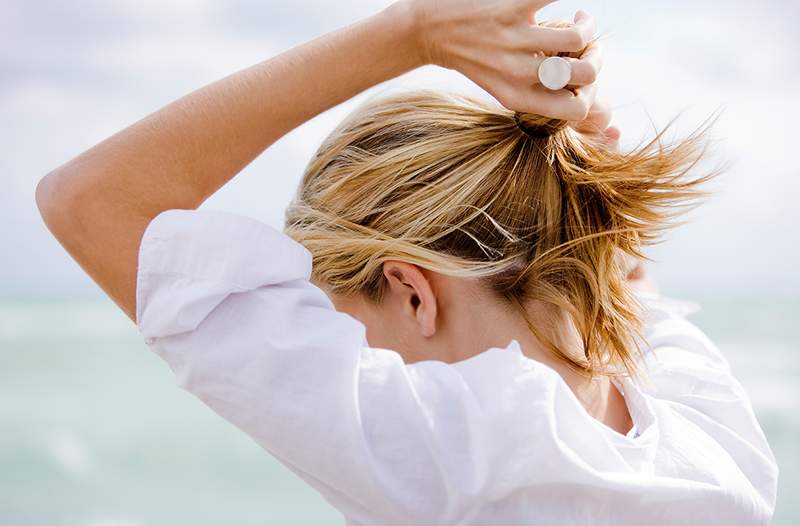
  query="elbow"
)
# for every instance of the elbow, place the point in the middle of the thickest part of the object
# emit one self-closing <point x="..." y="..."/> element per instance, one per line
<point x="44" y="195"/>
<point x="47" y="197"/>
<point x="56" y="203"/>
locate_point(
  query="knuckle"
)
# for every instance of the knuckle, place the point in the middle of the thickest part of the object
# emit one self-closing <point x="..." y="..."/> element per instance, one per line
<point x="516" y="69"/>
<point x="505" y="64"/>
<point x="574" y="41"/>
<point x="584" y="110"/>
<point x="589" y="74"/>
<point x="524" y="72"/>
<point x="580" y="111"/>
<point x="506" y="97"/>
<point x="505" y="17"/>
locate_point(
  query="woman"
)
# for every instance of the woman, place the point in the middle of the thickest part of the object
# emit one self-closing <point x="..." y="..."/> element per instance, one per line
<point x="447" y="332"/>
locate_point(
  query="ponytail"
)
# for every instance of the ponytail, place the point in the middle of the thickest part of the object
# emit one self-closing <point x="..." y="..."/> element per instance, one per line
<point x="599" y="205"/>
<point x="464" y="187"/>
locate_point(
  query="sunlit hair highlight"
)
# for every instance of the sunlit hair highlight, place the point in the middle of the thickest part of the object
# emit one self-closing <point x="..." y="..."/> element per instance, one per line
<point x="452" y="184"/>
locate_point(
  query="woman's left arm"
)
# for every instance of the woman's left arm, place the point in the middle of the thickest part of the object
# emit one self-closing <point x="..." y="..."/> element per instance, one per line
<point x="99" y="204"/>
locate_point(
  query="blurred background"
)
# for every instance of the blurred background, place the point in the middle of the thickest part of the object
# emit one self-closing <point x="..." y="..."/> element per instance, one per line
<point x="93" y="430"/>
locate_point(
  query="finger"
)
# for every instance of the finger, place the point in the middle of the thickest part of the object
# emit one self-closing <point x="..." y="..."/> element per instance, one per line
<point x="586" y="25"/>
<point x="597" y="121"/>
<point x="522" y="66"/>
<point x="586" y="96"/>
<point x="632" y="266"/>
<point x="562" y="104"/>
<point x="569" y="39"/>
<point x="612" y="136"/>
<point x="531" y="6"/>
<point x="586" y="69"/>
<point x="613" y="133"/>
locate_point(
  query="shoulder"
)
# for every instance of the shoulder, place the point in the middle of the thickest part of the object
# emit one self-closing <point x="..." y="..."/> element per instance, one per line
<point x="690" y="378"/>
<point x="670" y="337"/>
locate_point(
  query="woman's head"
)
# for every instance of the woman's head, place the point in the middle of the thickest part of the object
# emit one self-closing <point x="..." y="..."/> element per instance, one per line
<point x="452" y="188"/>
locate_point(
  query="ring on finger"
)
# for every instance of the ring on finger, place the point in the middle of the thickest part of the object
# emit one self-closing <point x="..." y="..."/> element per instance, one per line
<point x="555" y="73"/>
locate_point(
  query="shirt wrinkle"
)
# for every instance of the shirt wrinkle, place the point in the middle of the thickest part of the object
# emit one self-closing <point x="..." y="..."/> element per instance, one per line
<point x="498" y="438"/>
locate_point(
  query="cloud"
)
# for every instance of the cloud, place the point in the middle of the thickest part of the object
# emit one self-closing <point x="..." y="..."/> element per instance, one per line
<point x="72" y="74"/>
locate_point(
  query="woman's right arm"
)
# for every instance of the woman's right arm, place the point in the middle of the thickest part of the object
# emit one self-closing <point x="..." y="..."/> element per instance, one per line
<point x="99" y="204"/>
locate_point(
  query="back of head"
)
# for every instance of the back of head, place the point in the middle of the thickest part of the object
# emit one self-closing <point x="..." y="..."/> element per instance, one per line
<point x="465" y="187"/>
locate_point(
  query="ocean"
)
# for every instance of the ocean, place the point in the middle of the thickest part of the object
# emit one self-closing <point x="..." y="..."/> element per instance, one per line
<point x="94" y="431"/>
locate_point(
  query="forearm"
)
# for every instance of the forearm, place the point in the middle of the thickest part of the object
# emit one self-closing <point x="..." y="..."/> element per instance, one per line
<point x="98" y="204"/>
<point x="200" y="141"/>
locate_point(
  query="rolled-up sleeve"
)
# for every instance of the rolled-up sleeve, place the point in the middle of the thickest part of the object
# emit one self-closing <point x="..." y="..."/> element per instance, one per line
<point x="189" y="261"/>
<point x="225" y="300"/>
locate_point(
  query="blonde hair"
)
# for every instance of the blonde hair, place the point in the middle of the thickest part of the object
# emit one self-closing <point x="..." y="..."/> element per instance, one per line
<point x="453" y="184"/>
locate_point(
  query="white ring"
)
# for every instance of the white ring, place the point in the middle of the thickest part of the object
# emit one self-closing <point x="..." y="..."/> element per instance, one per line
<point x="555" y="73"/>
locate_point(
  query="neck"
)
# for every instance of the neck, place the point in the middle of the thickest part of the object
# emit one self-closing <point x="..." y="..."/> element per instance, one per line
<point x="492" y="323"/>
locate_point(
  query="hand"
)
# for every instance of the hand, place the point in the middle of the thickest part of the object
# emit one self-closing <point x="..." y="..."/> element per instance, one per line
<point x="597" y="124"/>
<point x="636" y="273"/>
<point x="497" y="45"/>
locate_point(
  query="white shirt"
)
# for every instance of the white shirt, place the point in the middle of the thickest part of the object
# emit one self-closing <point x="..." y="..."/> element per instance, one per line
<point x="497" y="439"/>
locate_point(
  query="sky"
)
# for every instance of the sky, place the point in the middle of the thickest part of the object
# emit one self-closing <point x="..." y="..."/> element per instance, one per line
<point x="73" y="73"/>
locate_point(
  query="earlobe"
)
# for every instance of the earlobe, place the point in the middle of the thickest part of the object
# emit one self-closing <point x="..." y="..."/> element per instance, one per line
<point x="415" y="292"/>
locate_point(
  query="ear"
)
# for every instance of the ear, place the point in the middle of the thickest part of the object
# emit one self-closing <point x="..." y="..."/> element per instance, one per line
<point x="409" y="286"/>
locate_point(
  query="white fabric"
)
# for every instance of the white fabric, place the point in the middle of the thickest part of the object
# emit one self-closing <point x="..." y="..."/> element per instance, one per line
<point x="498" y="439"/>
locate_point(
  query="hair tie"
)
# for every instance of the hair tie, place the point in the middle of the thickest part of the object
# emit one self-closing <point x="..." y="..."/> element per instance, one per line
<point x="537" y="132"/>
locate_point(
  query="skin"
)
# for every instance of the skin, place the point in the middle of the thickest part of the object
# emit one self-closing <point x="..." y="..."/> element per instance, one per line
<point x="98" y="204"/>
<point x="425" y="315"/>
